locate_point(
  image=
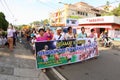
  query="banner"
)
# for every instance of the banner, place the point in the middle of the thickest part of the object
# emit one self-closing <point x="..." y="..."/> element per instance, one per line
<point x="56" y="53"/>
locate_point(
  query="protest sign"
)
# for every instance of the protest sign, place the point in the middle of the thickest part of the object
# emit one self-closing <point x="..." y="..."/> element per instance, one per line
<point x="61" y="52"/>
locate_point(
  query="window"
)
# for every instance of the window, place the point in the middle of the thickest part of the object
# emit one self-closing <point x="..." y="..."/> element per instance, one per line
<point x="78" y="12"/>
<point x="73" y="21"/>
<point x="83" y="13"/>
<point x="67" y="21"/>
<point x="72" y="13"/>
<point x="86" y="14"/>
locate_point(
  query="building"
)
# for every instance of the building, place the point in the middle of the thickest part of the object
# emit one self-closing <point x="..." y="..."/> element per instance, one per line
<point x="71" y="13"/>
<point x="101" y="24"/>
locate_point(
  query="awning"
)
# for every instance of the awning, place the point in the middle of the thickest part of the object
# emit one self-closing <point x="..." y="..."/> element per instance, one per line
<point x="95" y="26"/>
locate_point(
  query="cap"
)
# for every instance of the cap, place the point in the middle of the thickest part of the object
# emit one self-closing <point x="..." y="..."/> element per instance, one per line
<point x="40" y="28"/>
<point x="59" y="28"/>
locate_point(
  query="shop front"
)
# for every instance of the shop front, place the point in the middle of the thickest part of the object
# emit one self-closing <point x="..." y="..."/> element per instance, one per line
<point x="101" y="24"/>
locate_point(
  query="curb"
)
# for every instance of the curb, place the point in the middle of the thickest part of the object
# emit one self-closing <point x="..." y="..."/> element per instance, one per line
<point x="58" y="74"/>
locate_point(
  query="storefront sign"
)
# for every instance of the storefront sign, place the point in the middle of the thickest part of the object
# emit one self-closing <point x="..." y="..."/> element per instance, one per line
<point x="104" y="19"/>
<point x="72" y="22"/>
<point x="95" y="20"/>
<point x="56" y="53"/>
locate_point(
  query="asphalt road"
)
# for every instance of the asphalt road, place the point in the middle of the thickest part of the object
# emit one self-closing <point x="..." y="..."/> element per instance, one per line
<point x="105" y="67"/>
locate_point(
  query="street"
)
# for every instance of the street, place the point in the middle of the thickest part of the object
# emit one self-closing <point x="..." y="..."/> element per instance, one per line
<point x="59" y="40"/>
<point x="105" y="67"/>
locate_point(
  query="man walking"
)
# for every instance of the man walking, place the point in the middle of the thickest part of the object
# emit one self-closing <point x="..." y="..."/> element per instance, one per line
<point x="10" y="32"/>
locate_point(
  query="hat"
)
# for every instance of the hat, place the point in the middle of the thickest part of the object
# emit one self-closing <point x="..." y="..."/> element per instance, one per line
<point x="59" y="28"/>
<point x="40" y="28"/>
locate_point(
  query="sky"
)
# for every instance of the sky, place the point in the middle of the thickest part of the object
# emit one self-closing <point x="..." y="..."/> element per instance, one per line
<point x="20" y="12"/>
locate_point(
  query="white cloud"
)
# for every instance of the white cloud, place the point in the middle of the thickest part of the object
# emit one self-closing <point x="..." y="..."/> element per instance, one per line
<point x="44" y="0"/>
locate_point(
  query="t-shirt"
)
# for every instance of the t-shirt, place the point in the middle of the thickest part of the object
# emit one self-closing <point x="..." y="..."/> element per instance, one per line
<point x="33" y="42"/>
<point x="4" y="41"/>
<point x="32" y="35"/>
<point x="92" y="36"/>
<point x="59" y="37"/>
<point x="81" y="35"/>
<point x="48" y="36"/>
<point x="41" y="38"/>
<point x="69" y="36"/>
<point x="10" y="32"/>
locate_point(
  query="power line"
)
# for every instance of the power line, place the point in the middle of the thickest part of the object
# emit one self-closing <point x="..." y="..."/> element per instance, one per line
<point x="8" y="8"/>
<point x="4" y="8"/>
<point x="47" y="5"/>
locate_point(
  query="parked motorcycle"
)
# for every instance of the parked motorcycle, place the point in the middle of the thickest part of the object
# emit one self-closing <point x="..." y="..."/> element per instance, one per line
<point x="106" y="42"/>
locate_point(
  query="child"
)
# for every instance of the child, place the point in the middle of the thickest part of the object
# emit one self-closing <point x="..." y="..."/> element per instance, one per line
<point x="33" y="43"/>
<point x="4" y="40"/>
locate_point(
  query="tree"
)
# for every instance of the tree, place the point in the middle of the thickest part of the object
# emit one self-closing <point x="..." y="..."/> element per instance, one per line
<point x="106" y="7"/>
<point x="3" y="21"/>
<point x="45" y="21"/>
<point x="36" y="22"/>
<point x="116" y="11"/>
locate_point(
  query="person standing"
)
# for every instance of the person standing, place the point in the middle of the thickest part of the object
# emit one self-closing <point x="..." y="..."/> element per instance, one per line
<point x="48" y="34"/>
<point x="41" y="37"/>
<point x="92" y="35"/>
<point x="14" y="38"/>
<point x="82" y="34"/>
<point x="69" y="34"/>
<point x="59" y="35"/>
<point x="10" y="32"/>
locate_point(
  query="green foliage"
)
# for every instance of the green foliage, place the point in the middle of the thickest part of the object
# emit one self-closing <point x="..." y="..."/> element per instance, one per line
<point x="4" y="33"/>
<point x="36" y="22"/>
<point x="3" y="21"/>
<point x="115" y="12"/>
<point x="46" y="21"/>
<point x="21" y="26"/>
<point x="106" y="8"/>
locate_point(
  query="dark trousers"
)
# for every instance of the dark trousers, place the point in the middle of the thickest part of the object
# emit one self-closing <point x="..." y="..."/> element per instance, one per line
<point x="14" y="41"/>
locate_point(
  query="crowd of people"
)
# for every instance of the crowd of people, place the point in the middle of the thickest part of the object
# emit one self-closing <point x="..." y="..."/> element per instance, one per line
<point x="9" y="38"/>
<point x="47" y="34"/>
<point x="41" y="34"/>
<point x="3" y="39"/>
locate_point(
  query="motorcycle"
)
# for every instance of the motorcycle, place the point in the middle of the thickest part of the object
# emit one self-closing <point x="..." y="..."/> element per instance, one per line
<point x="106" y="42"/>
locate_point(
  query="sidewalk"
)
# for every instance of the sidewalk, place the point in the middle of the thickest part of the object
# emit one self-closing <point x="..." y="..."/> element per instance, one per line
<point x="116" y="44"/>
<point x="19" y="65"/>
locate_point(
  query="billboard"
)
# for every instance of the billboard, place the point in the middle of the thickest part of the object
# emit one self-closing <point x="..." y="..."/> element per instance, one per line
<point x="72" y="22"/>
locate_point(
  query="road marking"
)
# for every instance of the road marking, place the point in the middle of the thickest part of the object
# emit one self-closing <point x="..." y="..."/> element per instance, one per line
<point x="58" y="74"/>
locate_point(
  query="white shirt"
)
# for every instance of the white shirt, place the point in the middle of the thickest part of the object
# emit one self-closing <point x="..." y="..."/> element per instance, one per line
<point x="10" y="32"/>
<point x="4" y="40"/>
<point x="58" y="37"/>
<point x="69" y="36"/>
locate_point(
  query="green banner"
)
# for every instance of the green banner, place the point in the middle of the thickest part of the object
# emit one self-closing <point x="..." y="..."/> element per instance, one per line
<point x="56" y="53"/>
